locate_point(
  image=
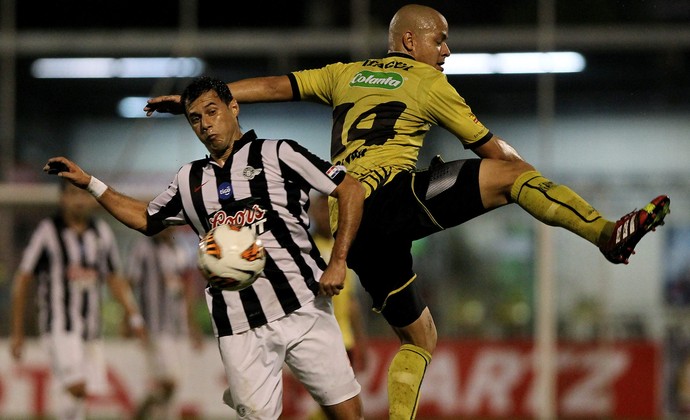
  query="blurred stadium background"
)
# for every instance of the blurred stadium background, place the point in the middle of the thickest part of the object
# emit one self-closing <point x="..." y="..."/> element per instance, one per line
<point x="534" y="322"/>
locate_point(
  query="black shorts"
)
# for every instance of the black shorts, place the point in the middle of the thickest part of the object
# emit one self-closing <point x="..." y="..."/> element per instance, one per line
<point x="411" y="206"/>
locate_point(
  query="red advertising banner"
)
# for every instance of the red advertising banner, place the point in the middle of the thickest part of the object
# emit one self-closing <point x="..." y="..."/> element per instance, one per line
<point x="465" y="380"/>
<point x="479" y="379"/>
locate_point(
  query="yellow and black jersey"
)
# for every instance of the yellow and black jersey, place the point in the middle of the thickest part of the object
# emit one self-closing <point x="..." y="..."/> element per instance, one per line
<point x="382" y="109"/>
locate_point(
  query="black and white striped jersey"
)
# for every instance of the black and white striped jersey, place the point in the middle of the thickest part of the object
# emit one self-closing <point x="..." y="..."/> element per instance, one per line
<point x="157" y="271"/>
<point x="264" y="184"/>
<point x="69" y="269"/>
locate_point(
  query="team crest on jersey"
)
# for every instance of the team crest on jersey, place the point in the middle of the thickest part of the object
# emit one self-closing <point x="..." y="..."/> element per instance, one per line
<point x="377" y="79"/>
<point x="224" y="191"/>
<point x="250" y="172"/>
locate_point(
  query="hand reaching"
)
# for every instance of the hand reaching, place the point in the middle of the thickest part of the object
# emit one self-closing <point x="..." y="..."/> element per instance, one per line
<point x="68" y="170"/>
<point x="167" y="104"/>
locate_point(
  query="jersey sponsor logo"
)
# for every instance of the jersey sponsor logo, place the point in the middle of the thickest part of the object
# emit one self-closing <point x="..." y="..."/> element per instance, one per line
<point x="254" y="215"/>
<point x="224" y="191"/>
<point x="387" y="65"/>
<point x="375" y="79"/>
<point x="250" y="172"/>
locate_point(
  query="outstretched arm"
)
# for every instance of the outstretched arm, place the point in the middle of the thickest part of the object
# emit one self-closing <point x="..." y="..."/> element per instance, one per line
<point x="128" y="210"/>
<point x="262" y="89"/>
<point x="350" y="195"/>
<point x="252" y="90"/>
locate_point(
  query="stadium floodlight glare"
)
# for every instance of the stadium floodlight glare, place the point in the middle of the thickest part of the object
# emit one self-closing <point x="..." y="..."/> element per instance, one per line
<point x="515" y="63"/>
<point x="109" y="68"/>
<point x="133" y="107"/>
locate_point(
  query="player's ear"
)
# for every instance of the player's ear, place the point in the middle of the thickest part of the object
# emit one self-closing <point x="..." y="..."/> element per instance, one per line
<point x="235" y="107"/>
<point x="408" y="41"/>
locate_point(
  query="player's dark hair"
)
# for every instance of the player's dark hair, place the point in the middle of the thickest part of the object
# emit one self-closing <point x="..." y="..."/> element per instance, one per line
<point x="203" y="84"/>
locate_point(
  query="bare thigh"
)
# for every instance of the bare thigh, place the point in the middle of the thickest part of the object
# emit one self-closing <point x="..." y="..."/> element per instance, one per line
<point x="496" y="179"/>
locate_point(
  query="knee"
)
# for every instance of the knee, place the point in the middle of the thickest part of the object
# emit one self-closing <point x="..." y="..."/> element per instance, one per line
<point x="421" y="333"/>
<point x="497" y="179"/>
<point x="430" y="338"/>
<point x="516" y="169"/>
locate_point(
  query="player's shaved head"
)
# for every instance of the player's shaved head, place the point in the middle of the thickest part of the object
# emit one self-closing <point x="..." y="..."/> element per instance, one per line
<point x="415" y="19"/>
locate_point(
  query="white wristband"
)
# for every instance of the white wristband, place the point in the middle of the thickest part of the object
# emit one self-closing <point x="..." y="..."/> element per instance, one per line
<point x="96" y="187"/>
<point x="136" y="321"/>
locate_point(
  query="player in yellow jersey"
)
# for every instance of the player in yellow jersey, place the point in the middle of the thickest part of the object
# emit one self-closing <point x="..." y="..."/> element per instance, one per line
<point x="382" y="109"/>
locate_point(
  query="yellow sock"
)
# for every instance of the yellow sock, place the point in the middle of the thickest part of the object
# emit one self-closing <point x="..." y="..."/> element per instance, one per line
<point x="405" y="377"/>
<point x="558" y="205"/>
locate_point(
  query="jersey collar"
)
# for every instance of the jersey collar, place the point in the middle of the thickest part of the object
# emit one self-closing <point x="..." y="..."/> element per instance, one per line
<point x="237" y="145"/>
<point x="399" y="54"/>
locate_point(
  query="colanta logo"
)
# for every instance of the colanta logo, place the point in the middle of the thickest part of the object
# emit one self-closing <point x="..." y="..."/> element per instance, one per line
<point x="377" y="80"/>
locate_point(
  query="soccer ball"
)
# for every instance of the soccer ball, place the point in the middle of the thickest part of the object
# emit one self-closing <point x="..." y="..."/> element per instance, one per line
<point x="231" y="257"/>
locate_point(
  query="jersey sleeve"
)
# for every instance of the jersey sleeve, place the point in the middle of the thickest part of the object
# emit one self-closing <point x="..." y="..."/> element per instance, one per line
<point x="36" y="247"/>
<point x="449" y="110"/>
<point x="167" y="206"/>
<point x="320" y="174"/>
<point x="316" y="85"/>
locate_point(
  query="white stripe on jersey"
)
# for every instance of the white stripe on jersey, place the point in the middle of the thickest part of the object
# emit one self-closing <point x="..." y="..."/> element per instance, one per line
<point x="279" y="174"/>
<point x="69" y="271"/>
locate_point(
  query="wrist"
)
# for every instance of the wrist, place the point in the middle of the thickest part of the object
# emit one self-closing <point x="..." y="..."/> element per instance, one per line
<point x="96" y="187"/>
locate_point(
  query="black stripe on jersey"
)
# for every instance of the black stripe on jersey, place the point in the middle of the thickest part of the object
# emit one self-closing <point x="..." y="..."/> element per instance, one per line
<point x="67" y="298"/>
<point x="219" y="312"/>
<point x="144" y="294"/>
<point x="43" y="267"/>
<point x="84" y="311"/>
<point x="252" y="305"/>
<point x="160" y="285"/>
<point x="220" y="315"/>
<point x="290" y="174"/>
<point x="195" y="178"/>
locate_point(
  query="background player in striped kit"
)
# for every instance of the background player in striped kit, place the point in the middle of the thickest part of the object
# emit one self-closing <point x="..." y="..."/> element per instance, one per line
<point x="70" y="255"/>
<point x="382" y="109"/>
<point x="162" y="273"/>
<point x="286" y="315"/>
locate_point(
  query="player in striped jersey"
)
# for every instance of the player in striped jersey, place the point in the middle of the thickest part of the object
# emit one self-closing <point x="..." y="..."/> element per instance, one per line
<point x="161" y="271"/>
<point x="285" y="316"/>
<point x="70" y="255"/>
<point x="383" y="108"/>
